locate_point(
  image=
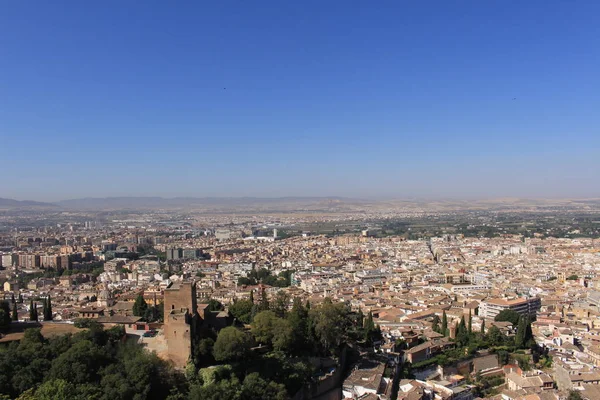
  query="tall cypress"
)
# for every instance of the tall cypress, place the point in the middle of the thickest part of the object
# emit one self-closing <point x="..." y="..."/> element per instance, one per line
<point x="15" y="314"/>
<point x="520" y="336"/>
<point x="48" y="309"/>
<point x="444" y="324"/>
<point x="470" y="326"/>
<point x="264" y="302"/>
<point x="31" y="311"/>
<point x="360" y="318"/>
<point x="483" y="327"/>
<point x="435" y="325"/>
<point x="369" y="325"/>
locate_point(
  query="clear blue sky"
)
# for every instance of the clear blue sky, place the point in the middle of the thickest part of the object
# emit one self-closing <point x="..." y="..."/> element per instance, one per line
<point x="299" y="98"/>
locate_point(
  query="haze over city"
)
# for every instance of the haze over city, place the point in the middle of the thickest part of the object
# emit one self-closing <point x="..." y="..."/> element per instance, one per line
<point x="443" y="99"/>
<point x="300" y="200"/>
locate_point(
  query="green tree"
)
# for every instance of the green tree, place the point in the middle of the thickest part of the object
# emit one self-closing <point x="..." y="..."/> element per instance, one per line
<point x="33" y="314"/>
<point x="256" y="388"/>
<point x="48" y="309"/>
<point x="202" y="351"/>
<point x="483" y="326"/>
<point x="283" y="336"/>
<point x="20" y="298"/>
<point x="508" y="316"/>
<point x="263" y="326"/>
<point x="232" y="345"/>
<point x="574" y="395"/>
<point x="280" y="303"/>
<point x="520" y="336"/>
<point x="140" y="306"/>
<point x="215" y="305"/>
<point x="330" y="323"/>
<point x="264" y="301"/>
<point x="435" y="325"/>
<point x="225" y="389"/>
<point x="15" y="312"/>
<point x="461" y="332"/>
<point x="360" y="318"/>
<point x="56" y="389"/>
<point x="444" y="327"/>
<point x="80" y="364"/>
<point x="5" y="318"/>
<point x="495" y="337"/>
<point x="242" y="310"/>
<point x="524" y="337"/>
<point x="470" y="324"/>
<point x="298" y="319"/>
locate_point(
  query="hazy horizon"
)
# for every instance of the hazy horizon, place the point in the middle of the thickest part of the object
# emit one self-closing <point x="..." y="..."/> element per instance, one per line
<point x="483" y="100"/>
<point x="324" y="197"/>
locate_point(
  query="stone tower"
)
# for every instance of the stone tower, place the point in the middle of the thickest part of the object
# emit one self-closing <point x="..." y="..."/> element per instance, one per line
<point x="181" y="315"/>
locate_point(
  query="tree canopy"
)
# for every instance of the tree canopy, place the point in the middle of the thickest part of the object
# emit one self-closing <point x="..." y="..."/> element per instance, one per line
<point x="91" y="364"/>
<point x="140" y="306"/>
<point x="232" y="345"/>
<point x="509" y="316"/>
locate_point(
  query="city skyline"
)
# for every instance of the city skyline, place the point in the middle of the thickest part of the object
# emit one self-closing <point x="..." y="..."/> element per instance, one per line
<point x="479" y="100"/>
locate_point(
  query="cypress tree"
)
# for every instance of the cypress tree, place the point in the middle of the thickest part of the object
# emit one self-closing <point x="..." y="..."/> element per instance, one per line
<point x="31" y="311"/>
<point x="15" y="314"/>
<point x="35" y="312"/>
<point x="140" y="306"/>
<point x="461" y="332"/>
<point x="462" y="327"/>
<point x="444" y="324"/>
<point x="470" y="326"/>
<point x="436" y="324"/>
<point x="264" y="302"/>
<point x="47" y="309"/>
<point x="483" y="327"/>
<point x="252" y="296"/>
<point x="520" y="336"/>
<point x="12" y="298"/>
<point x="20" y="298"/>
<point x="369" y="324"/>
<point x="360" y="319"/>
<point x="528" y="335"/>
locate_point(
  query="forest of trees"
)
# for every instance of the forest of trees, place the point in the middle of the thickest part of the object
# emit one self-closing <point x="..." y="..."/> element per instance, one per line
<point x="91" y="364"/>
<point x="288" y="336"/>
<point x="100" y="364"/>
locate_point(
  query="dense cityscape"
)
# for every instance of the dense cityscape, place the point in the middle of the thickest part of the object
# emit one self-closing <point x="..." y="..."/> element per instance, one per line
<point x="299" y="200"/>
<point x="431" y="302"/>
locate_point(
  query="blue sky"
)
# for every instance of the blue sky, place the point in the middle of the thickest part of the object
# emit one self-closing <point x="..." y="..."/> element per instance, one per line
<point x="278" y="98"/>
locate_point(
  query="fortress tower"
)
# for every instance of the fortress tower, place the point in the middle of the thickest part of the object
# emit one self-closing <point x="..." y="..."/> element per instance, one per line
<point x="181" y="315"/>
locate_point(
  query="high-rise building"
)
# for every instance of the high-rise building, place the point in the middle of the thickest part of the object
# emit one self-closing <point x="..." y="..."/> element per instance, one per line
<point x="29" y="261"/>
<point x="174" y="253"/>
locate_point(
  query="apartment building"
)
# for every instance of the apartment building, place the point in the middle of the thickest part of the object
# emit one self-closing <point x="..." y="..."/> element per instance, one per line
<point x="524" y="306"/>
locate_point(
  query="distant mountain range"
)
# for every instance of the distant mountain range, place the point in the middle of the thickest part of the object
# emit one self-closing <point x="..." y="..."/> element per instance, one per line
<point x="176" y="202"/>
<point x="288" y="204"/>
<point x="10" y="203"/>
